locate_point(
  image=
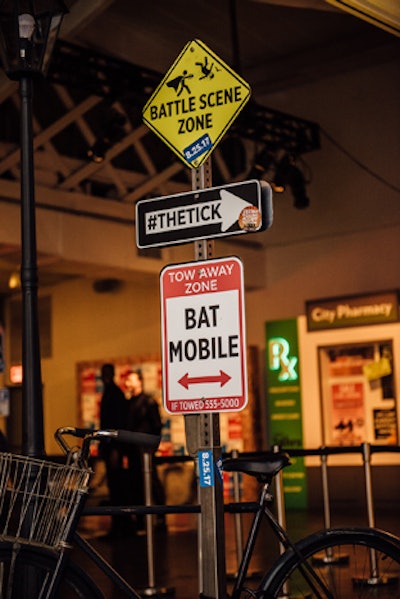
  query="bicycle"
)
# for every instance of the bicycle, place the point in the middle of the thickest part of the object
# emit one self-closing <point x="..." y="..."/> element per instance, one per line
<point x="41" y="502"/>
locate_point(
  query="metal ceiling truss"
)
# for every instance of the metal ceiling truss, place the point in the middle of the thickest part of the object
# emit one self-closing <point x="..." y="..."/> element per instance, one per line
<point x="71" y="109"/>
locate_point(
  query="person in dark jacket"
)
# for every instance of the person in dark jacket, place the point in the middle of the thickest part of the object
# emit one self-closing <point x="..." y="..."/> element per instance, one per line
<point x="143" y="415"/>
<point x="113" y="411"/>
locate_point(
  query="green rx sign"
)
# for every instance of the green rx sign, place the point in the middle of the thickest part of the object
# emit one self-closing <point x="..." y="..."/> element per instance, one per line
<point x="284" y="404"/>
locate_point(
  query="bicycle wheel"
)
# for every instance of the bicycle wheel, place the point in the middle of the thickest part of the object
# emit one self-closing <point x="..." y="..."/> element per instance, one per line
<point x="337" y="564"/>
<point x="24" y="570"/>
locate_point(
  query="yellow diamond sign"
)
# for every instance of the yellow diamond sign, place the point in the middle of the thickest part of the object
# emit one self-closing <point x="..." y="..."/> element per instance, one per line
<point x="195" y="103"/>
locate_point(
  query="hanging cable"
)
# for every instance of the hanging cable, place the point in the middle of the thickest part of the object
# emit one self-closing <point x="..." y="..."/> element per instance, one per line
<point x="235" y="36"/>
<point x="358" y="162"/>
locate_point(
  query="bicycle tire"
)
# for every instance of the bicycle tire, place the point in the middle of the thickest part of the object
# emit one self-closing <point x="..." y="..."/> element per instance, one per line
<point x="20" y="562"/>
<point x="341" y="558"/>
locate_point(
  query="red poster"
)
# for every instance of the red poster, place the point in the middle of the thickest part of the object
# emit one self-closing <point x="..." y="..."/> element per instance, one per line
<point x="348" y="413"/>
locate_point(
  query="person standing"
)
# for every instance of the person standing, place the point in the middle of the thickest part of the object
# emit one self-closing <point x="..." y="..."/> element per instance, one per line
<point x="113" y="411"/>
<point x="143" y="416"/>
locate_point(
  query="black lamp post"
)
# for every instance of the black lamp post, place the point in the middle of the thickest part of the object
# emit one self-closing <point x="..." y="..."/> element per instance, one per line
<point x="28" y="31"/>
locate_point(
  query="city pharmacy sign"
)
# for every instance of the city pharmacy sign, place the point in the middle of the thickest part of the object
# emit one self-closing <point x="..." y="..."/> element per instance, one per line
<point x="350" y="311"/>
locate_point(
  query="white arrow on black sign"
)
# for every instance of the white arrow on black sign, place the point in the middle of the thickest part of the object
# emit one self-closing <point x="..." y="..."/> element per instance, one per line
<point x="217" y="211"/>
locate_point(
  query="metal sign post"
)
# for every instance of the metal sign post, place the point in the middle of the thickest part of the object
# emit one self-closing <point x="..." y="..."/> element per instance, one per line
<point x="191" y="109"/>
<point x="203" y="444"/>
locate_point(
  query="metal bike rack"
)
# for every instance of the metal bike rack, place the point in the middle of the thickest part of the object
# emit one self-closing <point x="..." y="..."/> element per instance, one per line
<point x="235" y="476"/>
<point x="151" y="590"/>
<point x="375" y="578"/>
<point x="280" y="500"/>
<point x="281" y="515"/>
<point x="366" y="450"/>
<point x="328" y="557"/>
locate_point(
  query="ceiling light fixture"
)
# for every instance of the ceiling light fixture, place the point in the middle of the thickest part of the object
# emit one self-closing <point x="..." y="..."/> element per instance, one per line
<point x="98" y="151"/>
<point x="288" y="174"/>
<point x="14" y="281"/>
<point x="262" y="162"/>
<point x="113" y="132"/>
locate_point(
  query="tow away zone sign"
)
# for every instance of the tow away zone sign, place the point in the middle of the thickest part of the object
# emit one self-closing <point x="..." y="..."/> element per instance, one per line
<point x="203" y="337"/>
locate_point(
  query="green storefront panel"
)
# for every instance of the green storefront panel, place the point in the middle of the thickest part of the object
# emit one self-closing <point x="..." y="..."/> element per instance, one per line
<point x="284" y="411"/>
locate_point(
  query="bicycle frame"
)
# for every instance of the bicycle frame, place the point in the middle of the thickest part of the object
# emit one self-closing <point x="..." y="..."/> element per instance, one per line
<point x="264" y="512"/>
<point x="261" y="511"/>
<point x="107" y="568"/>
<point x="264" y="470"/>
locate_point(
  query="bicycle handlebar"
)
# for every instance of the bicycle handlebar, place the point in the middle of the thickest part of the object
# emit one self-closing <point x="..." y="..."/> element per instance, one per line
<point x="145" y="440"/>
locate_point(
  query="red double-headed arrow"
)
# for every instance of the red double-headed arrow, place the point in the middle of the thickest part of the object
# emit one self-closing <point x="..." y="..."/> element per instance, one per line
<point x="221" y="378"/>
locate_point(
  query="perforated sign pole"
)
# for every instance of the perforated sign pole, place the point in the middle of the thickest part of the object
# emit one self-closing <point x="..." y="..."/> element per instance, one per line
<point x="203" y="444"/>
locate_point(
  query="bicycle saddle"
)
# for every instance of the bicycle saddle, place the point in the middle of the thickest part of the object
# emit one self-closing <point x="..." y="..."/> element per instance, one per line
<point x="265" y="466"/>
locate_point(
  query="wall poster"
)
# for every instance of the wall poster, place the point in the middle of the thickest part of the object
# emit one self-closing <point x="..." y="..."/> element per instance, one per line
<point x="348" y="413"/>
<point x="239" y="431"/>
<point x="90" y="389"/>
<point x="2" y="362"/>
<point x="358" y="394"/>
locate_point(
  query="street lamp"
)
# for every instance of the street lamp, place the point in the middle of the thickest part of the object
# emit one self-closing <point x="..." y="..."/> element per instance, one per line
<point x="28" y="31"/>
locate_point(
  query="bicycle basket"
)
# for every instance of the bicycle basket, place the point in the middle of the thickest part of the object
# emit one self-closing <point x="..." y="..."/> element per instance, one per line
<point x="38" y="498"/>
